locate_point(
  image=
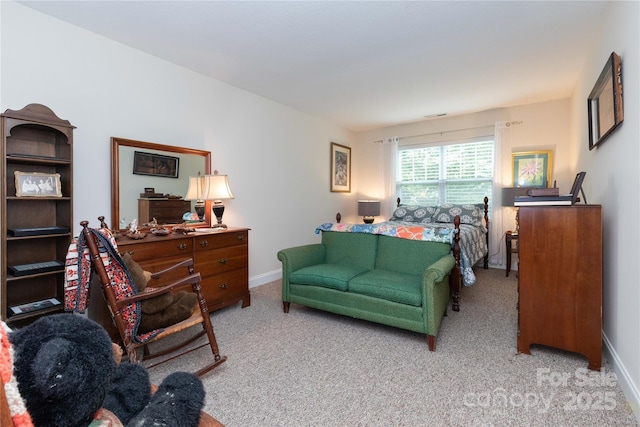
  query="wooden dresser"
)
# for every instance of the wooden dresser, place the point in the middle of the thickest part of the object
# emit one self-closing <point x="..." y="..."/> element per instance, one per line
<point x="221" y="258"/>
<point x="165" y="211"/>
<point x="560" y="279"/>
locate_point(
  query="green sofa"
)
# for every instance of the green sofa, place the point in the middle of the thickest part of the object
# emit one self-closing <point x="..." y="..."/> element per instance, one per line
<point x="396" y="282"/>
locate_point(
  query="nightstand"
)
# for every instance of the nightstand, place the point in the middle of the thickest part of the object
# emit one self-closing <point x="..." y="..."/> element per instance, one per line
<point x="511" y="238"/>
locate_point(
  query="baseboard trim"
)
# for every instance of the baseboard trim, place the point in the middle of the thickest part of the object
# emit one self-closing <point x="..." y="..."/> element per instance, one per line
<point x="629" y="388"/>
<point x="262" y="279"/>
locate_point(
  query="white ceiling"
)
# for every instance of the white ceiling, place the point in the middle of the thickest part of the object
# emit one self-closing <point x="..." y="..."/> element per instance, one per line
<point x="362" y="64"/>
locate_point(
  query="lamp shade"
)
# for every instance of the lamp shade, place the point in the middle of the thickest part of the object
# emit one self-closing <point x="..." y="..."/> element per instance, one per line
<point x="216" y="187"/>
<point x="509" y="194"/>
<point x="196" y="188"/>
<point x="368" y="207"/>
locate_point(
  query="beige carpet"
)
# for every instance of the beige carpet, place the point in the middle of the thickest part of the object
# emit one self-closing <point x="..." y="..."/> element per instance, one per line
<point x="310" y="368"/>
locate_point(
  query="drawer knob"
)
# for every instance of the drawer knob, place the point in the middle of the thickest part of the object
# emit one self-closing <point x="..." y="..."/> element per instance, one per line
<point x="222" y="260"/>
<point x="224" y="285"/>
<point x="182" y="246"/>
<point x="241" y="237"/>
<point x="204" y="243"/>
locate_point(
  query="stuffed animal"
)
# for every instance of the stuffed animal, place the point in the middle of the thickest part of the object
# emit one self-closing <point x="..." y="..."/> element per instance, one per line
<point x="61" y="372"/>
<point x="163" y="310"/>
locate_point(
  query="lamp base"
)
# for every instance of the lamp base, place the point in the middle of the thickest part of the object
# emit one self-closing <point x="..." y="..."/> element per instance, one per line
<point x="200" y="212"/>
<point x="368" y="219"/>
<point x="218" y="210"/>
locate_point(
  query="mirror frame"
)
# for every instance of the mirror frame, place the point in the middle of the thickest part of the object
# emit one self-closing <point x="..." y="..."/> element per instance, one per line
<point x="116" y="143"/>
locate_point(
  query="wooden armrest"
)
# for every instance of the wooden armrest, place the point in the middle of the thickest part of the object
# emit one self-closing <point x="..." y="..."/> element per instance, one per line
<point x="5" y="415"/>
<point x="154" y="292"/>
<point x="185" y="263"/>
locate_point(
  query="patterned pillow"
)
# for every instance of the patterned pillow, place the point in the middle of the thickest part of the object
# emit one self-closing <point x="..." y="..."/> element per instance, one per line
<point x="416" y="214"/>
<point x="469" y="214"/>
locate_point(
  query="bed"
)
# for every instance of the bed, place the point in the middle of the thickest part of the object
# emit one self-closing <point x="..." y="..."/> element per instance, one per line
<point x="464" y="226"/>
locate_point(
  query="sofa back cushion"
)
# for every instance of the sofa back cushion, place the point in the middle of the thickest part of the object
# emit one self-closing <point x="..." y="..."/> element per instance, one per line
<point x="408" y="256"/>
<point x="354" y="249"/>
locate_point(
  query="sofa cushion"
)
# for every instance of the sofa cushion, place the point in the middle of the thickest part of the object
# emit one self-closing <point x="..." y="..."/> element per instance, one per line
<point x="334" y="276"/>
<point x="389" y="285"/>
<point x="408" y="256"/>
<point x="352" y="249"/>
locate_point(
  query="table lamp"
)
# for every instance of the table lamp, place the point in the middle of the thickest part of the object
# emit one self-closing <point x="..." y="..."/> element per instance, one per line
<point x="216" y="188"/>
<point x="195" y="192"/>
<point x="508" y="196"/>
<point x="368" y="209"/>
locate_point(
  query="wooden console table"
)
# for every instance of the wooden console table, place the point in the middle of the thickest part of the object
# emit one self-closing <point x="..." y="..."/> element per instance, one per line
<point x="221" y="258"/>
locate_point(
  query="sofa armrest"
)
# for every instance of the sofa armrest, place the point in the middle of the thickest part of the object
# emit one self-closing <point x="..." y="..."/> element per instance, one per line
<point x="301" y="256"/>
<point x="439" y="269"/>
<point x="435" y="292"/>
<point x="296" y="258"/>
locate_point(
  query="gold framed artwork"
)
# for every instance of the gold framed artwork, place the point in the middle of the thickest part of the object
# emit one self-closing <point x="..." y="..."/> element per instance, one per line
<point x="340" y="168"/>
<point x="604" y="104"/>
<point x="37" y="184"/>
<point x="532" y="168"/>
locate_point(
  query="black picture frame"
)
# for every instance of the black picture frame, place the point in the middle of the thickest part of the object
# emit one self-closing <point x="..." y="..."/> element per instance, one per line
<point x="155" y="165"/>
<point x="340" y="168"/>
<point x="604" y="104"/>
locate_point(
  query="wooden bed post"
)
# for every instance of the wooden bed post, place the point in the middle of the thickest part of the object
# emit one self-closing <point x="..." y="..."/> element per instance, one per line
<point x="455" y="279"/>
<point x="486" y="221"/>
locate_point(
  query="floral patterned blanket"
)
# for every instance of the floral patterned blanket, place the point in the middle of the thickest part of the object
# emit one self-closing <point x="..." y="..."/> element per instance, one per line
<point x="473" y="245"/>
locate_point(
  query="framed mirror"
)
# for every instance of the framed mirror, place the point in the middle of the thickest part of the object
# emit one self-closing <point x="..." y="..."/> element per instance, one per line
<point x="128" y="185"/>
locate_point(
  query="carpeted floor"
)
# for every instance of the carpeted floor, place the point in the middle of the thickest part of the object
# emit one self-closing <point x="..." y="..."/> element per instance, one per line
<point x="310" y="368"/>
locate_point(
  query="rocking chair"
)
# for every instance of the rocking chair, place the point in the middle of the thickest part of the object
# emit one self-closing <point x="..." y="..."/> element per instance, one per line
<point x="123" y="302"/>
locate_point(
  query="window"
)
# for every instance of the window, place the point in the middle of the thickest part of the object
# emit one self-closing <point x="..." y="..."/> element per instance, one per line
<point x="455" y="173"/>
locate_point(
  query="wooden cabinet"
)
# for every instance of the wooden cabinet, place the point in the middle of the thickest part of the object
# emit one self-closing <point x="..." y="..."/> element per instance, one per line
<point x="560" y="279"/>
<point x="165" y="211"/>
<point x="37" y="206"/>
<point x="221" y="258"/>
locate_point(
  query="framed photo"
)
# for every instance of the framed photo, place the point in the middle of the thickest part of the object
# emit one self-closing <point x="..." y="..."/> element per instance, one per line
<point x="605" y="107"/>
<point x="340" y="168"/>
<point x="37" y="184"/>
<point x="155" y="164"/>
<point x="532" y="168"/>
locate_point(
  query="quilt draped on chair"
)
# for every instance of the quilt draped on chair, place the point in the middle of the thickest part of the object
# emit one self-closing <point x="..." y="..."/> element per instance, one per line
<point x="77" y="279"/>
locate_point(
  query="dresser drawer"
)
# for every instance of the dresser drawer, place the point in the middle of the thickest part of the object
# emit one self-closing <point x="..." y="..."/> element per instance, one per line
<point x="174" y="248"/>
<point x="214" y="241"/>
<point x="225" y="287"/>
<point x="221" y="260"/>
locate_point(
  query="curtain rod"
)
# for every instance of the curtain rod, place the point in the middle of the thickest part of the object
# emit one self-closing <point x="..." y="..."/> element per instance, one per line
<point x="507" y="124"/>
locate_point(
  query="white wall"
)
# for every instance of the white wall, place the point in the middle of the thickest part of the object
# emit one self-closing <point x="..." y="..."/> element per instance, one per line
<point x="277" y="159"/>
<point x="613" y="181"/>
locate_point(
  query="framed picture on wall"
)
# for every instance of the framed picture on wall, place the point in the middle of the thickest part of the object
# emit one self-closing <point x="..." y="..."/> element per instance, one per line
<point x="340" y="168"/>
<point x="605" y="107"/>
<point x="532" y="168"/>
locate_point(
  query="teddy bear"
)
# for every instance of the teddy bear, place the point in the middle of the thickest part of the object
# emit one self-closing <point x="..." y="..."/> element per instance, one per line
<point x="60" y="371"/>
<point x="163" y="310"/>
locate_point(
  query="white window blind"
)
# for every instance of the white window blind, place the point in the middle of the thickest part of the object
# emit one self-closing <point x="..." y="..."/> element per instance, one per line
<point x="453" y="173"/>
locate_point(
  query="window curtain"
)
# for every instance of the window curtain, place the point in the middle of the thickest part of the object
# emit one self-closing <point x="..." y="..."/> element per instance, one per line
<point x="500" y="214"/>
<point x="388" y="162"/>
